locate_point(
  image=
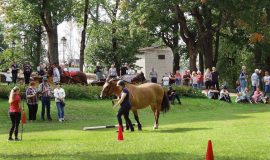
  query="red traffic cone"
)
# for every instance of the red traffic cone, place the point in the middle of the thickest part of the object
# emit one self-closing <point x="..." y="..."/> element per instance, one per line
<point x="120" y="133"/>
<point x="23" y="118"/>
<point x="209" y="153"/>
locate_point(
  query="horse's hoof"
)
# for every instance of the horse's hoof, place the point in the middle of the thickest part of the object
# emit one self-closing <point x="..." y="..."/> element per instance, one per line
<point x="155" y="127"/>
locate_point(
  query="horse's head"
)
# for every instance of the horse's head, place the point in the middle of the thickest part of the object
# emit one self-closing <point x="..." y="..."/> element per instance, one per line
<point x="109" y="88"/>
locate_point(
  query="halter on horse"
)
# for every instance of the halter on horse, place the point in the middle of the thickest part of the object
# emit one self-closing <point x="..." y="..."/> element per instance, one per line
<point x="141" y="96"/>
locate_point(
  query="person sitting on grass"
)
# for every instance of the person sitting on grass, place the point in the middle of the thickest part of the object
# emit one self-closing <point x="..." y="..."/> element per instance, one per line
<point x="258" y="96"/>
<point x="243" y="97"/>
<point x="173" y="95"/>
<point x="212" y="93"/>
<point x="225" y="95"/>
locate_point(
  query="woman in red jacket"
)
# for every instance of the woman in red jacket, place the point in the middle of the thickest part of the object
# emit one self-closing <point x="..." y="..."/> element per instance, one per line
<point x="14" y="112"/>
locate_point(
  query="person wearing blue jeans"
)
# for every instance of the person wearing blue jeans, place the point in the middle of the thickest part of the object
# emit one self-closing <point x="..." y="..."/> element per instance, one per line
<point x="45" y="91"/>
<point x="266" y="80"/>
<point x="59" y="94"/>
<point x="243" y="79"/>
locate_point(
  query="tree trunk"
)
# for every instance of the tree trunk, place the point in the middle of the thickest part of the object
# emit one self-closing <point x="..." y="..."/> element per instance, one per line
<point x="207" y="48"/>
<point x="257" y="56"/>
<point x="82" y="48"/>
<point x="216" y="49"/>
<point x="175" y="49"/>
<point x="192" y="52"/>
<point x="38" y="40"/>
<point x="51" y="29"/>
<point x="201" y="62"/>
<point x="53" y="46"/>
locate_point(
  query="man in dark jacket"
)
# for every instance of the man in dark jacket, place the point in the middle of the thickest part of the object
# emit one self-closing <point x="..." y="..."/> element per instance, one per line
<point x="215" y="77"/>
<point x="172" y="95"/>
<point x="27" y="71"/>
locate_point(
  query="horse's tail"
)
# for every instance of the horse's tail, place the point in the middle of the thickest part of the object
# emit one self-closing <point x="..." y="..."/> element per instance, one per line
<point x="165" y="105"/>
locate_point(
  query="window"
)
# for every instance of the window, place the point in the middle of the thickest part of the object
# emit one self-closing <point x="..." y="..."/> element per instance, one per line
<point x="161" y="56"/>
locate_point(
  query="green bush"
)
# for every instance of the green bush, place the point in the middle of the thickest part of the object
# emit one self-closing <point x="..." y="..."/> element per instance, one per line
<point x="93" y="92"/>
<point x="72" y="91"/>
<point x="185" y="91"/>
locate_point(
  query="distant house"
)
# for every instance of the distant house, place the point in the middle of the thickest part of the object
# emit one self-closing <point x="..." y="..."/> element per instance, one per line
<point x="159" y="58"/>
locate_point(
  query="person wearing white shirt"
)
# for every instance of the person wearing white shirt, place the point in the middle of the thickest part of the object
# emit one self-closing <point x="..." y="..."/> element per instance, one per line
<point x="130" y="71"/>
<point x="255" y="80"/>
<point x="266" y="80"/>
<point x="59" y="94"/>
<point x="166" y="80"/>
<point x="112" y="71"/>
<point x="8" y="76"/>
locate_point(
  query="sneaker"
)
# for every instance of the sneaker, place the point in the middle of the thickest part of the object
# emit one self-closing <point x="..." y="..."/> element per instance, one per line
<point x="63" y="119"/>
<point x="60" y="120"/>
<point x="10" y="139"/>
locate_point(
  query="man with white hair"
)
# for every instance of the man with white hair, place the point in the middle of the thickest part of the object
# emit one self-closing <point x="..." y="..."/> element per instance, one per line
<point x="255" y="80"/>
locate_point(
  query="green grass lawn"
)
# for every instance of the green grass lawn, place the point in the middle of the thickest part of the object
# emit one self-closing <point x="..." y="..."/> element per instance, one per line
<point x="238" y="131"/>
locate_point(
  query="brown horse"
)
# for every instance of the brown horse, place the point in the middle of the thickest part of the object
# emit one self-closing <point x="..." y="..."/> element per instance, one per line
<point x="69" y="77"/>
<point x="141" y="96"/>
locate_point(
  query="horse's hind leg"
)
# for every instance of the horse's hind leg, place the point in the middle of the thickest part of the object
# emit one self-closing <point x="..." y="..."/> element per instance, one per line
<point x="135" y="112"/>
<point x="156" y="115"/>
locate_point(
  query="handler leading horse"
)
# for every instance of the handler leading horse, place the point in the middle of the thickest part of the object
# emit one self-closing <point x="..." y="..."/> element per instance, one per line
<point x="141" y="96"/>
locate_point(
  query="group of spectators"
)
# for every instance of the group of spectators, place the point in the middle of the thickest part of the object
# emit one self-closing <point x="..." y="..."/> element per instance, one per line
<point x="260" y="87"/>
<point x="193" y="79"/>
<point x="112" y="71"/>
<point x="12" y="74"/>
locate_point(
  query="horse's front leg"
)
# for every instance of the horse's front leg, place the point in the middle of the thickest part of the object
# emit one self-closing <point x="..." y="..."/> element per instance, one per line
<point x="135" y="112"/>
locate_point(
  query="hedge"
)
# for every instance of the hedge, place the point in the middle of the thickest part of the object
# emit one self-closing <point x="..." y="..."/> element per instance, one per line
<point x="93" y="92"/>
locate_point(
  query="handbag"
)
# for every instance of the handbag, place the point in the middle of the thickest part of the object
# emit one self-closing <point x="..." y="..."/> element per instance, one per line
<point x="63" y="103"/>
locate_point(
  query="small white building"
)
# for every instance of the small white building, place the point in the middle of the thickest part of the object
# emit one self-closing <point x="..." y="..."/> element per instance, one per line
<point x="159" y="58"/>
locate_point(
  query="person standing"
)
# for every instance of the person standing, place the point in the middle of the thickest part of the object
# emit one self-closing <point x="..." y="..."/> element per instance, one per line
<point x="130" y="71"/>
<point x="112" y="72"/>
<point x="56" y="74"/>
<point x="186" y="78"/>
<point x="45" y="91"/>
<point x="208" y="79"/>
<point x="255" y="80"/>
<point x="243" y="78"/>
<point x="166" y="80"/>
<point x="8" y="76"/>
<point x="153" y="76"/>
<point x="177" y="78"/>
<point x="215" y="78"/>
<point x="32" y="101"/>
<point x="266" y="80"/>
<point x="200" y="79"/>
<point x="59" y="94"/>
<point x="14" y="112"/>
<point x="194" y="80"/>
<point x="14" y="71"/>
<point x="123" y="69"/>
<point x="124" y="101"/>
<point x="27" y="71"/>
<point x="40" y="70"/>
<point x="98" y="72"/>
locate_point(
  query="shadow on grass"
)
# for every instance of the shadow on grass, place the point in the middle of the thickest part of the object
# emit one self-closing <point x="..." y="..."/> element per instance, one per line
<point x="179" y="130"/>
<point x="121" y="156"/>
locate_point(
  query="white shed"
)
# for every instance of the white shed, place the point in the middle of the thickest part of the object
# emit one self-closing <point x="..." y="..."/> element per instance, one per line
<point x="159" y="58"/>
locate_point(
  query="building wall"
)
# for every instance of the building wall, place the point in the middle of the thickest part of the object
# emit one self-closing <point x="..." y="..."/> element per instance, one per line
<point x="141" y="62"/>
<point x="161" y="66"/>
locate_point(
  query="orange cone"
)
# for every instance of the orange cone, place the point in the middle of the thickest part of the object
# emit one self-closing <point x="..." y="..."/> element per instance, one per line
<point x="23" y="118"/>
<point x="209" y="153"/>
<point x="120" y="133"/>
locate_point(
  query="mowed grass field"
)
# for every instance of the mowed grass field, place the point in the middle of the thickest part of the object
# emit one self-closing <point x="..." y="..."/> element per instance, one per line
<point x="238" y="131"/>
